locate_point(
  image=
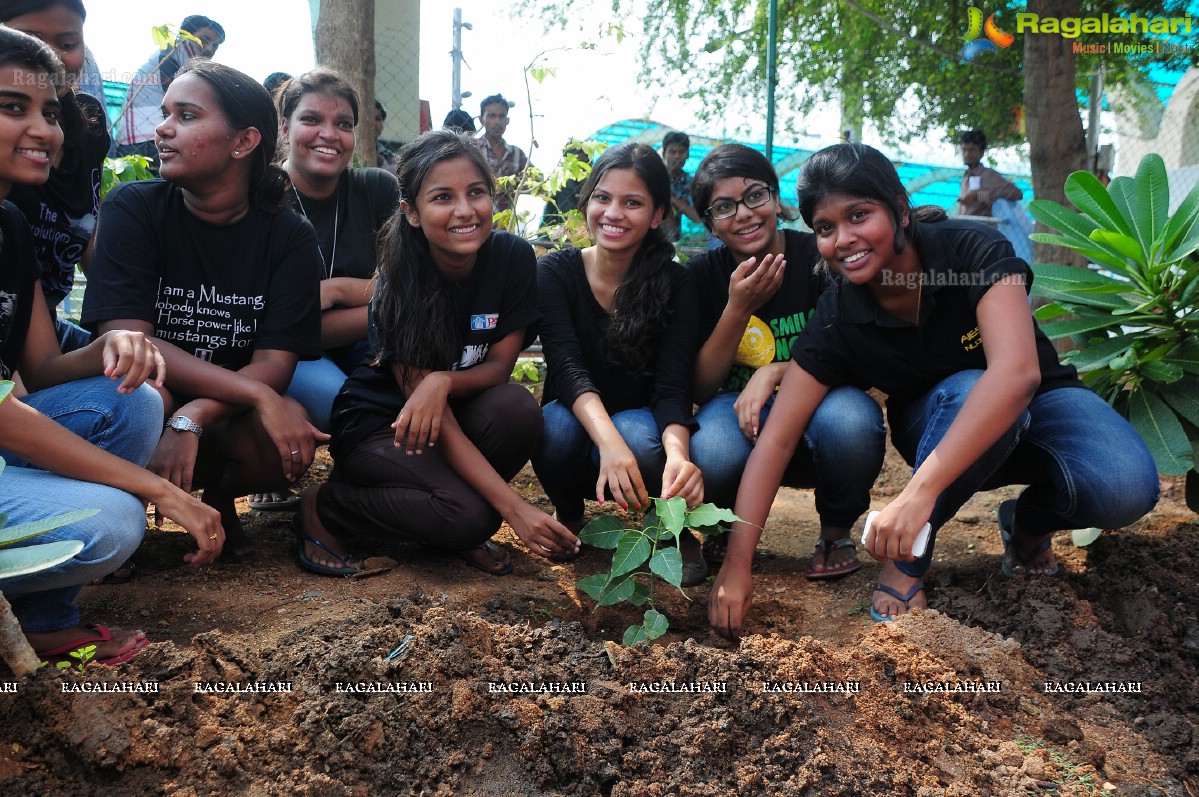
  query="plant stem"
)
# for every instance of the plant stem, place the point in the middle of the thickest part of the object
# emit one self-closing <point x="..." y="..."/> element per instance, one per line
<point x="14" y="647"/>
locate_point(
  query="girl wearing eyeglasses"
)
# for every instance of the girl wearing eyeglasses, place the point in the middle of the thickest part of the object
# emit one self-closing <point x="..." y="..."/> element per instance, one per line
<point x="756" y="294"/>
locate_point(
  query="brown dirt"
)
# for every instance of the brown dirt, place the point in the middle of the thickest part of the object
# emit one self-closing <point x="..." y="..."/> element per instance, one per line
<point x="1123" y="610"/>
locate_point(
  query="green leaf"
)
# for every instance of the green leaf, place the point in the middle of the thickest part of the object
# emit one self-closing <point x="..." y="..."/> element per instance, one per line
<point x="15" y="534"/>
<point x="34" y="558"/>
<point x="1098" y="354"/>
<point x="655" y="624"/>
<point x="1183" y="225"/>
<point x="630" y="554"/>
<point x="1091" y="197"/>
<point x="673" y="513"/>
<point x="1076" y="326"/>
<point x="640" y="593"/>
<point x="1084" y="537"/>
<point x="593" y="585"/>
<point x="616" y="590"/>
<point x="1069" y="223"/>
<point x="1160" y="372"/>
<point x="1183" y="398"/>
<point x="1047" y="312"/>
<point x="603" y="532"/>
<point x="1078" y="285"/>
<point x="1161" y="431"/>
<point x="706" y="515"/>
<point x="1187" y="355"/>
<point x="634" y="634"/>
<point x="5" y="388"/>
<point x="668" y="563"/>
<point x="1127" y="245"/>
<point x="1153" y="190"/>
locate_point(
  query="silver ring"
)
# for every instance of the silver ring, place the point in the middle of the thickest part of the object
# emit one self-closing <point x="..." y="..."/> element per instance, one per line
<point x="297" y="451"/>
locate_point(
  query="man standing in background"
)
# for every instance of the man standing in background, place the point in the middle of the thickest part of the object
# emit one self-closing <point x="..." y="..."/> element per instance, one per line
<point x="143" y="104"/>
<point x="505" y="159"/>
<point x="981" y="186"/>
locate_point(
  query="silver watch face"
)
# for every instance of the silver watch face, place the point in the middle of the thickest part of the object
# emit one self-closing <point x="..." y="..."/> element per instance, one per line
<point x="181" y="423"/>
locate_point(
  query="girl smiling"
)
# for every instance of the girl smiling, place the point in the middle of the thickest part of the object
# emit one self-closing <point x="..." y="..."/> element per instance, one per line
<point x="428" y="433"/>
<point x="936" y="316"/>
<point x="757" y="292"/>
<point x="619" y="340"/>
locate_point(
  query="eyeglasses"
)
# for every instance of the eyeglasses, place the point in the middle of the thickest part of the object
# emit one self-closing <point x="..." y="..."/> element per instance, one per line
<point x="726" y="208"/>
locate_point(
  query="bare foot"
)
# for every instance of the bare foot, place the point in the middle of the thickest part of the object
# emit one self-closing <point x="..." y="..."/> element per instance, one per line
<point x="889" y="605"/>
<point x="334" y="554"/>
<point x="110" y="642"/>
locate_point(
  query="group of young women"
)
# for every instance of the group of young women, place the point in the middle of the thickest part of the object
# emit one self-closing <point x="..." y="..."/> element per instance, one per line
<point x="245" y="304"/>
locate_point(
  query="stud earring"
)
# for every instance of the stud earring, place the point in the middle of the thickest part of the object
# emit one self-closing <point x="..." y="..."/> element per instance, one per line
<point x="237" y="153"/>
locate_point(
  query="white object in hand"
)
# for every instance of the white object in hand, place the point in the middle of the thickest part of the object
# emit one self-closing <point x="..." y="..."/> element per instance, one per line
<point x="917" y="547"/>
<point x="974" y="183"/>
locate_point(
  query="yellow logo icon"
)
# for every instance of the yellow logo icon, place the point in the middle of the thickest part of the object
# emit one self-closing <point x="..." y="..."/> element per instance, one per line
<point x="757" y="344"/>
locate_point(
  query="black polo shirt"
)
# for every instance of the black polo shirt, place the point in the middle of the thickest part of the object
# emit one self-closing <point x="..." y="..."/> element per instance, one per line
<point x="851" y="340"/>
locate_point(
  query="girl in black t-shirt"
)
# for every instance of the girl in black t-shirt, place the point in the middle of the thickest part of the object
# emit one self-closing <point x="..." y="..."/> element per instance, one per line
<point x="79" y="439"/>
<point x="62" y="211"/>
<point x="428" y="434"/>
<point x="347" y="207"/>
<point x="227" y="280"/>
<point x="936" y="315"/>
<point x="618" y="333"/>
<point x="756" y="294"/>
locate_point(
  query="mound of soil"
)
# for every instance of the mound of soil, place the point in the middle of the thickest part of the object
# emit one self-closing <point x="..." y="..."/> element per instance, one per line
<point x="433" y="679"/>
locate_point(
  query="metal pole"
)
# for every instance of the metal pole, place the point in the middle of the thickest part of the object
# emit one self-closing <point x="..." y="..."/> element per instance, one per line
<point x="772" y="28"/>
<point x="456" y="56"/>
<point x="1096" y="102"/>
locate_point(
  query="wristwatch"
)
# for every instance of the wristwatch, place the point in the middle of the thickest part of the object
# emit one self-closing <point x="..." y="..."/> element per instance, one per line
<point x="181" y="423"/>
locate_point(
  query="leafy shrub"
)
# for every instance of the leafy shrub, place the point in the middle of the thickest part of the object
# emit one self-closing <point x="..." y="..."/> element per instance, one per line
<point x="1135" y="312"/>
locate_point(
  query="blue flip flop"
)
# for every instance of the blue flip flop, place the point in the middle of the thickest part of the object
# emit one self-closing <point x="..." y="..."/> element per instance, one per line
<point x="344" y="568"/>
<point x="906" y="600"/>
<point x="1007" y="519"/>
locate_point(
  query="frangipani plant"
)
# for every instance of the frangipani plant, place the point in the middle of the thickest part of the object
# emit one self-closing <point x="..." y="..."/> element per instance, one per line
<point x="1135" y="312"/>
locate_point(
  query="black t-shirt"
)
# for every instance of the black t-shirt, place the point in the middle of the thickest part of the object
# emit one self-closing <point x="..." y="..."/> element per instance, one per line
<point x="363" y="202"/>
<point x="774" y="327"/>
<point x="574" y="338"/>
<point x="62" y="211"/>
<point x="18" y="276"/>
<point x="498" y="297"/>
<point x="220" y="292"/>
<point x="850" y="340"/>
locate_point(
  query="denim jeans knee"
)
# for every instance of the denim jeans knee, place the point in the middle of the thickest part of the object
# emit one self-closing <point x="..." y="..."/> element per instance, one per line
<point x="125" y="425"/>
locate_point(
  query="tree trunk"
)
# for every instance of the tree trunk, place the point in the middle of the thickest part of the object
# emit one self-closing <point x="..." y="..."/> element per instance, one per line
<point x="345" y="41"/>
<point x="1056" y="142"/>
<point x="14" y="647"/>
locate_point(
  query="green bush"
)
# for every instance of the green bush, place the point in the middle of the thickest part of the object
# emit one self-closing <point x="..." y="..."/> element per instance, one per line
<point x="1135" y="312"/>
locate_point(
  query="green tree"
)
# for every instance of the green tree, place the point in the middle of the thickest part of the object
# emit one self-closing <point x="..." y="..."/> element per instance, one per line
<point x="869" y="55"/>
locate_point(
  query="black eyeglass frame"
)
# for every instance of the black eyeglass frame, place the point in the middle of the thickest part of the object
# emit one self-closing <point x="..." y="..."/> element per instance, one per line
<point x="738" y="202"/>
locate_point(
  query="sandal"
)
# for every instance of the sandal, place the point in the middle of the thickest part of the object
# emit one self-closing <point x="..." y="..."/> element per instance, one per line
<point x="906" y="600"/>
<point x="74" y="652"/>
<point x="274" y="502"/>
<point x="346" y="564"/>
<point x="823" y="549"/>
<point x="1007" y="518"/>
<point x="488" y="557"/>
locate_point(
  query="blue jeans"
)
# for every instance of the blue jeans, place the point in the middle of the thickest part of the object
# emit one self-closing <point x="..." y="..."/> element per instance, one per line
<point x="1083" y="463"/>
<point x="127" y="426"/>
<point x="567" y="462"/>
<point x="316" y="383"/>
<point x="841" y="456"/>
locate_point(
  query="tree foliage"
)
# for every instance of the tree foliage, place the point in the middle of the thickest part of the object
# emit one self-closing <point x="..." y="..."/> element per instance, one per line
<point x="866" y="54"/>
